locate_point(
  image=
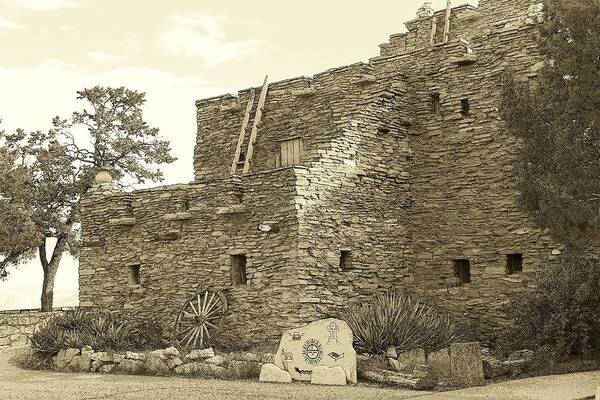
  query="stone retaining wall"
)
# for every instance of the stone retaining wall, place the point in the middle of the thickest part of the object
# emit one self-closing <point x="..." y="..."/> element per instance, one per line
<point x="17" y="325"/>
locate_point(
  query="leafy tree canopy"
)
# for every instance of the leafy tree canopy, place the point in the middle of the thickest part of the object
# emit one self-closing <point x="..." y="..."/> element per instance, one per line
<point x="44" y="174"/>
<point x="558" y="118"/>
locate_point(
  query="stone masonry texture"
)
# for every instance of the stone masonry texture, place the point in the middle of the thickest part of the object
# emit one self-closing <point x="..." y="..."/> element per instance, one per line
<point x="401" y="189"/>
<point x="17" y="325"/>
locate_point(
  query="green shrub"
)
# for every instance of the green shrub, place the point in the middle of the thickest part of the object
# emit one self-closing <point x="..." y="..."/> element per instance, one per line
<point x="396" y="320"/>
<point x="562" y="313"/>
<point x="148" y="335"/>
<point x="75" y="329"/>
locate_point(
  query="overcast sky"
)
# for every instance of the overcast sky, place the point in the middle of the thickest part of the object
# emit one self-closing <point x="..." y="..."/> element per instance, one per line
<point x="176" y="51"/>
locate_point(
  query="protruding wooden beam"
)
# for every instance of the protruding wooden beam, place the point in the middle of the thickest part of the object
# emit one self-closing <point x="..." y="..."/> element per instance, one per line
<point x="257" y="118"/>
<point x="433" y="30"/>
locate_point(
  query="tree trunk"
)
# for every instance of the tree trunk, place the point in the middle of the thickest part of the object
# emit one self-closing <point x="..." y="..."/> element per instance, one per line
<point x="50" y="268"/>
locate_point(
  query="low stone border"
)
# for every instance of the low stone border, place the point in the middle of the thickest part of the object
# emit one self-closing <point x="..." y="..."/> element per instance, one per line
<point x="17" y="325"/>
<point x="159" y="362"/>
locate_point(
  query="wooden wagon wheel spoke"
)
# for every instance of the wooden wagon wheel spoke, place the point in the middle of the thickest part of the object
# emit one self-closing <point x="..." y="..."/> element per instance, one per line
<point x="194" y="308"/>
<point x="209" y="304"/>
<point x="201" y="313"/>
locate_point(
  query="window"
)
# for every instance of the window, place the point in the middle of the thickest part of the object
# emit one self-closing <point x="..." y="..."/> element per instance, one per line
<point x="465" y="107"/>
<point x="436" y="103"/>
<point x="514" y="263"/>
<point x="242" y="158"/>
<point x="290" y="152"/>
<point x="462" y="270"/>
<point x="134" y="275"/>
<point x="238" y="270"/>
<point x="345" y="260"/>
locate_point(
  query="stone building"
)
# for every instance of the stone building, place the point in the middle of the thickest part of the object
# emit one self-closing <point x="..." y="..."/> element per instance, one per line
<point x="314" y="192"/>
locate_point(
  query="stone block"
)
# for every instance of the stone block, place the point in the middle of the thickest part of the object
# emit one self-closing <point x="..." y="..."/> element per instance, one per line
<point x="272" y="373"/>
<point x="493" y="368"/>
<point x="130" y="366"/>
<point x="64" y="357"/>
<point x="216" y="360"/>
<point x="466" y="364"/>
<point x="407" y="360"/>
<point x="439" y="361"/>
<point x="81" y="363"/>
<point x="156" y="364"/>
<point x="196" y="355"/>
<point x="174" y="363"/>
<point x="322" y="375"/>
<point x="130" y="355"/>
<point x="327" y="342"/>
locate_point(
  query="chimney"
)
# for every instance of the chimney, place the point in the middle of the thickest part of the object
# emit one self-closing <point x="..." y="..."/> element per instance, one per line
<point x="426" y="10"/>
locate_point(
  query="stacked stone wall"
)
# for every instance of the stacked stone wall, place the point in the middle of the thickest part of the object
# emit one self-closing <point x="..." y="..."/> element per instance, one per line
<point x="463" y="185"/>
<point x="182" y="239"/>
<point x="16" y="326"/>
<point x="408" y="191"/>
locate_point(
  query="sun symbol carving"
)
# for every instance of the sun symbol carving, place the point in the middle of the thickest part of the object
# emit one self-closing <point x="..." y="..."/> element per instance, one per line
<point x="312" y="351"/>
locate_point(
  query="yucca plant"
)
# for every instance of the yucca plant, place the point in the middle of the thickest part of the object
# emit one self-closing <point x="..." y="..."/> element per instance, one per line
<point x="393" y="319"/>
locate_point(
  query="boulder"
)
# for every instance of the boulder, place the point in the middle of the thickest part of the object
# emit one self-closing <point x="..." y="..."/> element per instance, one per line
<point x="421" y="379"/>
<point x="439" y="362"/>
<point x="130" y="366"/>
<point x="107" y="368"/>
<point x="493" y="367"/>
<point x="272" y="373"/>
<point x="196" y="355"/>
<point x="328" y="376"/>
<point x="216" y="360"/>
<point x="102" y="357"/>
<point x="327" y="343"/>
<point x="130" y="355"/>
<point x="521" y="355"/>
<point x="174" y="363"/>
<point x="171" y="352"/>
<point x="466" y="365"/>
<point x="199" y="369"/>
<point x="156" y="362"/>
<point x="81" y="363"/>
<point x="64" y="357"/>
<point x="407" y="360"/>
<point x="87" y="350"/>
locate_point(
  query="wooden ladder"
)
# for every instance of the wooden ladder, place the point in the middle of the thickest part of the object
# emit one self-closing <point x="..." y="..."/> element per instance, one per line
<point x="256" y="122"/>
<point x="238" y="149"/>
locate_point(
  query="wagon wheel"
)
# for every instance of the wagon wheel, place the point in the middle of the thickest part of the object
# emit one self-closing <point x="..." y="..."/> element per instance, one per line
<point x="201" y="312"/>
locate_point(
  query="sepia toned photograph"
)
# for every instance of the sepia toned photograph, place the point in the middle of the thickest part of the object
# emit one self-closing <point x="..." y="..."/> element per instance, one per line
<point x="321" y="200"/>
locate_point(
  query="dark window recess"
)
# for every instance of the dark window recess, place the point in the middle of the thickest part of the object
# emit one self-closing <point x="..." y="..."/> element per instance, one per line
<point x="465" y="106"/>
<point x="242" y="157"/>
<point x="383" y="130"/>
<point x="134" y="275"/>
<point x="345" y="260"/>
<point x="462" y="270"/>
<point x="514" y="263"/>
<point x="436" y="103"/>
<point x="238" y="270"/>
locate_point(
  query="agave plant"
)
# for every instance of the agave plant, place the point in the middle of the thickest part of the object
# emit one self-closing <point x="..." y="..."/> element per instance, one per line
<point x="393" y="319"/>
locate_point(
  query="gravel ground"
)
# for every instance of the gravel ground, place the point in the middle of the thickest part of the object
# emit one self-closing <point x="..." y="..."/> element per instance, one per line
<point x="41" y="385"/>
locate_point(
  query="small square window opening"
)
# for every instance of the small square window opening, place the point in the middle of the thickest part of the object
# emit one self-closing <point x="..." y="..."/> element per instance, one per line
<point x="436" y="103"/>
<point x="134" y="275"/>
<point x="345" y="260"/>
<point x="465" y="107"/>
<point x="462" y="270"/>
<point x="514" y="264"/>
<point x="238" y="270"/>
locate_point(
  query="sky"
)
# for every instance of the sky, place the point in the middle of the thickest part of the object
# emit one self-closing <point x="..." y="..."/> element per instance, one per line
<point x="175" y="51"/>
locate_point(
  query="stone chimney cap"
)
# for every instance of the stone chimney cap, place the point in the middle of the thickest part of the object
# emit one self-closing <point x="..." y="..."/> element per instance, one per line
<point x="103" y="176"/>
<point x="426" y="10"/>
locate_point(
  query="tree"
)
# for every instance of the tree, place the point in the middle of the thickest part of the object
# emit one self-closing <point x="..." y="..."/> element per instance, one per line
<point x="44" y="174"/>
<point x="558" y="119"/>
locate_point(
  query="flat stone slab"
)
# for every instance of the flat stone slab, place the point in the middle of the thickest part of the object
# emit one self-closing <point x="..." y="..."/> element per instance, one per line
<point x="326" y="343"/>
<point x="272" y="373"/>
<point x="466" y="364"/>
<point x="328" y="376"/>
